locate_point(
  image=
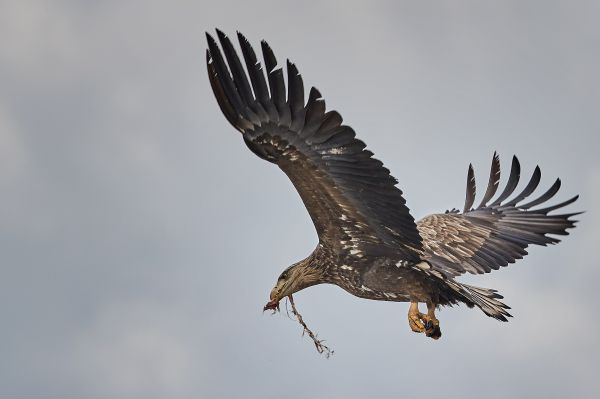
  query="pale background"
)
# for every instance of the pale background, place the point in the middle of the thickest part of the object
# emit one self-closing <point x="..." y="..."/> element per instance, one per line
<point x="139" y="238"/>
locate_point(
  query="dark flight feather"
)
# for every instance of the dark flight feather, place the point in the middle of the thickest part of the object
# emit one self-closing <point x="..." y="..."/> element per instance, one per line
<point x="530" y="188"/>
<point x="513" y="181"/>
<point x="239" y="76"/>
<point x="257" y="78"/>
<point x="471" y="189"/>
<point x="493" y="181"/>
<point x="545" y="197"/>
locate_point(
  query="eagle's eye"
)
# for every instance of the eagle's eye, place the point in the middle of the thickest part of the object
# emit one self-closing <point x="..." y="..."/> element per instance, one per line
<point x="283" y="276"/>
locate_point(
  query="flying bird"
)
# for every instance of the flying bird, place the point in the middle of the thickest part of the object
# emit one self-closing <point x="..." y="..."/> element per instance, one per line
<point x="369" y="243"/>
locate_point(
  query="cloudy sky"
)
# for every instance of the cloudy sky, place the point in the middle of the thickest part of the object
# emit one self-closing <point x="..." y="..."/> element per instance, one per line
<point x="140" y="238"/>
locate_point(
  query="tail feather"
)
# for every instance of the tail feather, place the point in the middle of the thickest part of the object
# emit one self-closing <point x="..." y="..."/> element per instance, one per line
<point x="486" y="299"/>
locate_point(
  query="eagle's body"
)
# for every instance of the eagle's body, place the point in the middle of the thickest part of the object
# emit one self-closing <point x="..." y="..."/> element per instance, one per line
<point x="383" y="278"/>
<point x="369" y="244"/>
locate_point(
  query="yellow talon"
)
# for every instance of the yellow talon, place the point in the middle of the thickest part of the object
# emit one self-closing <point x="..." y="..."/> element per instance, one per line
<point x="415" y="318"/>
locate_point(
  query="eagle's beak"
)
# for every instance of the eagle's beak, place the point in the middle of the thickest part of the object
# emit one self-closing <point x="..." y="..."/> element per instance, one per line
<point x="273" y="304"/>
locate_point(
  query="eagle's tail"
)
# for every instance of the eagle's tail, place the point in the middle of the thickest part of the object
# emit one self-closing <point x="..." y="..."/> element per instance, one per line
<point x="485" y="299"/>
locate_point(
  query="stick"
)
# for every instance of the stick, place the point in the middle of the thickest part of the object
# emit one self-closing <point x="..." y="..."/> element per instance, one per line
<point x="321" y="347"/>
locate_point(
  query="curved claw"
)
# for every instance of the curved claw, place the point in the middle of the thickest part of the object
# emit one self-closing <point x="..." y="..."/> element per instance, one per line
<point x="433" y="331"/>
<point x="432" y="324"/>
<point x="415" y="324"/>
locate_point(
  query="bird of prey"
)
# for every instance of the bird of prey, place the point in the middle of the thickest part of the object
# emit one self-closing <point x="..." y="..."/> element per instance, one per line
<point x="369" y="244"/>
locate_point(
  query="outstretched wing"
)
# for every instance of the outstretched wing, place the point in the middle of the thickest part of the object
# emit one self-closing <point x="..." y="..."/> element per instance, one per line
<point x="350" y="196"/>
<point x="484" y="239"/>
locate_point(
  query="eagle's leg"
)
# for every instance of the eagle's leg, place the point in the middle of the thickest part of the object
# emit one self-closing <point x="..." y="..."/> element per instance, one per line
<point x="415" y="317"/>
<point x="432" y="324"/>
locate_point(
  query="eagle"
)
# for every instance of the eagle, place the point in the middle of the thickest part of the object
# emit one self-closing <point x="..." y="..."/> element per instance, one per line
<point x="369" y="243"/>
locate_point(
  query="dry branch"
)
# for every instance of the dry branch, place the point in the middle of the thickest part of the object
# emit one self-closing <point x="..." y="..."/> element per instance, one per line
<point x="321" y="347"/>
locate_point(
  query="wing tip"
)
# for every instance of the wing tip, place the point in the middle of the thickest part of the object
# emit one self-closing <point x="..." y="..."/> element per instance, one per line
<point x="314" y="94"/>
<point x="471" y="189"/>
<point x="209" y="38"/>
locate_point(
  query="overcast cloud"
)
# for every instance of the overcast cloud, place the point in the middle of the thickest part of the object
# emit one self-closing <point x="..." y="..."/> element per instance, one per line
<point x="140" y="238"/>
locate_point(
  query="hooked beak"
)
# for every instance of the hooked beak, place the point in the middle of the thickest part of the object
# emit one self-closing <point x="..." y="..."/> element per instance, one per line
<point x="273" y="304"/>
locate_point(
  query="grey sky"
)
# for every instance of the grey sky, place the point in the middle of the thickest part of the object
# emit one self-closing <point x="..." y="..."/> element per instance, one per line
<point x="140" y="238"/>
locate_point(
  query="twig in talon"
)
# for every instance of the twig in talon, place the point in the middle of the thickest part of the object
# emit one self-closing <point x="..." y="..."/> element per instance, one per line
<point x="321" y="347"/>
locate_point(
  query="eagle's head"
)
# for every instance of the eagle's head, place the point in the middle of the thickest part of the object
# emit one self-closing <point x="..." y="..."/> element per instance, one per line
<point x="293" y="279"/>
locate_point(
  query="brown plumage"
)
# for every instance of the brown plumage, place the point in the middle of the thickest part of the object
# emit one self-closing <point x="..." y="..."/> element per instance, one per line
<point x="369" y="244"/>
